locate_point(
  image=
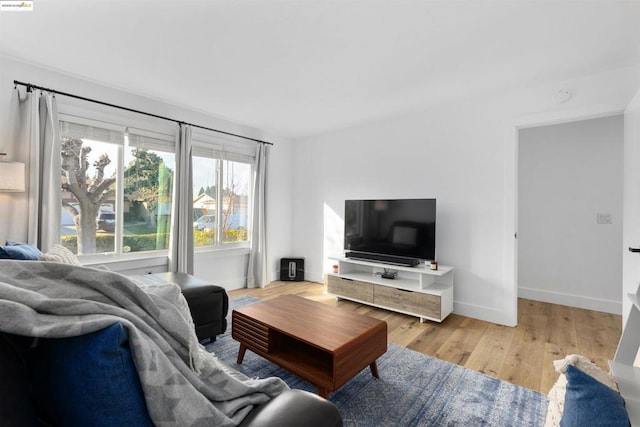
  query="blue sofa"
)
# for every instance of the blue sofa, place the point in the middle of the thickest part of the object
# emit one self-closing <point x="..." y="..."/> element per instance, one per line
<point x="90" y="379"/>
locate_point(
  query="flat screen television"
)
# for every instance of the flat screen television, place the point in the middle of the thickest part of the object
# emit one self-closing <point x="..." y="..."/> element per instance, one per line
<point x="398" y="231"/>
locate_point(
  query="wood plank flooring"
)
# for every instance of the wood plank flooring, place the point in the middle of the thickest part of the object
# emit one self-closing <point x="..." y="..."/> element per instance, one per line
<point x="522" y="355"/>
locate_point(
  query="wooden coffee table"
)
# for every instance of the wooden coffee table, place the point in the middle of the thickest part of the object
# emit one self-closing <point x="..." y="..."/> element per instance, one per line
<point x="322" y="344"/>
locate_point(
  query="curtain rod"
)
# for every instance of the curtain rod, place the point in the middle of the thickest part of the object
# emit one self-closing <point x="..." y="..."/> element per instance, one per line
<point x="30" y="86"/>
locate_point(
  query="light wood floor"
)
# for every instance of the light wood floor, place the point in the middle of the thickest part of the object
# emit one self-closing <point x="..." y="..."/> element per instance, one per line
<point x="522" y="355"/>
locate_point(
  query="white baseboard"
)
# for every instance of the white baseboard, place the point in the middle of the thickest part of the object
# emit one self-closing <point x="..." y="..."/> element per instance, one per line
<point x="232" y="284"/>
<point x="308" y="277"/>
<point x="578" y="301"/>
<point x="480" y="312"/>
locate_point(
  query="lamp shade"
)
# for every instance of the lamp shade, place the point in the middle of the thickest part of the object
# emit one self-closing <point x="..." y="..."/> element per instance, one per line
<point x="12" y="177"/>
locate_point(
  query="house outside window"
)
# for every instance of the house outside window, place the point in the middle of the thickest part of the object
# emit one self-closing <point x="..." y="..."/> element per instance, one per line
<point x="117" y="185"/>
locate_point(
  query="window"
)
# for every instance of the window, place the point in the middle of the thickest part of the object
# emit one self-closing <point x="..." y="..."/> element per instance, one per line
<point x="118" y="180"/>
<point x="222" y="193"/>
<point x="148" y="191"/>
<point x="117" y="185"/>
<point x="235" y="201"/>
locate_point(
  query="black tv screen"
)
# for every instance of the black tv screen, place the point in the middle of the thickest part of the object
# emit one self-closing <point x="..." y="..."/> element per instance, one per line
<point x="399" y="227"/>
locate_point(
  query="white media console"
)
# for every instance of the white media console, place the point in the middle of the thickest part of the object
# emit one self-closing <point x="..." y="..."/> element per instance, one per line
<point x="417" y="291"/>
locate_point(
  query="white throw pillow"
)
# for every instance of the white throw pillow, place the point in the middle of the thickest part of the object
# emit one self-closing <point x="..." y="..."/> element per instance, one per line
<point x="557" y="393"/>
<point x="59" y="253"/>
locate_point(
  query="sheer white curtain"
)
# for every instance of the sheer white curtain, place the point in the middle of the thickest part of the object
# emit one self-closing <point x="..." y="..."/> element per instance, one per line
<point x="38" y="116"/>
<point x="257" y="267"/>
<point x="181" y="240"/>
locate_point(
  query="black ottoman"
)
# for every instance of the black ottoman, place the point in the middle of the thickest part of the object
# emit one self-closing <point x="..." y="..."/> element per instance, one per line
<point x="208" y="303"/>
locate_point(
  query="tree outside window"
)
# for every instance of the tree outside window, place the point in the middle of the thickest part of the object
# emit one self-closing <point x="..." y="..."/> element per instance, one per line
<point x="114" y="198"/>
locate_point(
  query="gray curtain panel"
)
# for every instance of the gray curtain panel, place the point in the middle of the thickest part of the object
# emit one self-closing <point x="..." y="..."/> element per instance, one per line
<point x="37" y="114"/>
<point x="257" y="266"/>
<point x="181" y="240"/>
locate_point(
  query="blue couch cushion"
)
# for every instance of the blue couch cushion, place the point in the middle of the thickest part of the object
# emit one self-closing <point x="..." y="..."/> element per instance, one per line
<point x="22" y="251"/>
<point x="588" y="402"/>
<point x="88" y="380"/>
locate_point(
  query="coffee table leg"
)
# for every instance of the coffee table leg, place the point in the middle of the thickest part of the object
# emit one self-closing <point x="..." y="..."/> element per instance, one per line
<point x="241" y="352"/>
<point x="374" y="369"/>
<point x="322" y="392"/>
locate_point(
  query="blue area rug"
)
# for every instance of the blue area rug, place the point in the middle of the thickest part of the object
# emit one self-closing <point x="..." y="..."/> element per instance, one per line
<point x="413" y="390"/>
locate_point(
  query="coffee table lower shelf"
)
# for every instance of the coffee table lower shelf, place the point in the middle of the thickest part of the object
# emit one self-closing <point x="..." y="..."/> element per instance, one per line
<point x="313" y="369"/>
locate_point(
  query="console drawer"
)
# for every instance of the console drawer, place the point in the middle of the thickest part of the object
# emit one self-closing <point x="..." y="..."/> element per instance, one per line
<point x="348" y="288"/>
<point x="413" y="302"/>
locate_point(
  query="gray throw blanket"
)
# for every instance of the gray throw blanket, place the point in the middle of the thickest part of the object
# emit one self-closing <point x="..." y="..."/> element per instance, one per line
<point x="183" y="385"/>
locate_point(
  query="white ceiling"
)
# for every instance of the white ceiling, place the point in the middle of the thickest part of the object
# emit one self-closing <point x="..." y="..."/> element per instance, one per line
<point x="303" y="67"/>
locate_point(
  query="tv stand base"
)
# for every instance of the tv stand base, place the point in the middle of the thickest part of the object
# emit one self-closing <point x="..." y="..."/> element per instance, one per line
<point x="417" y="291"/>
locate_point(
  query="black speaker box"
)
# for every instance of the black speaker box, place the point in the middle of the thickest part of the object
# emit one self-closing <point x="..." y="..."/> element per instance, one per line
<point x="292" y="269"/>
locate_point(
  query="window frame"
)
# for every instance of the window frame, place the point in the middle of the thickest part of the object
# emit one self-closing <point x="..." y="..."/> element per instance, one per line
<point x="70" y="109"/>
<point x="219" y="148"/>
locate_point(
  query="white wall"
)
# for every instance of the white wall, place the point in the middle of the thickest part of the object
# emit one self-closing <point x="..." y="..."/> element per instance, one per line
<point x="631" y="204"/>
<point x="279" y="211"/>
<point x="567" y="175"/>
<point x="464" y="155"/>
<point x="227" y="267"/>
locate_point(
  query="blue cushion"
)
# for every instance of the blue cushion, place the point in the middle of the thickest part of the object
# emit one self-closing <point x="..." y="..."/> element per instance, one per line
<point x="588" y="402"/>
<point x="24" y="251"/>
<point x="88" y="380"/>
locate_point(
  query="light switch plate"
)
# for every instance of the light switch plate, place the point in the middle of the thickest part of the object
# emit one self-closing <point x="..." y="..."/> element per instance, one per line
<point x="604" y="218"/>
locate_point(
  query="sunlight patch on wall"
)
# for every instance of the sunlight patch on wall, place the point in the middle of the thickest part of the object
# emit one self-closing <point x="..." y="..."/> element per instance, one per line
<point x="333" y="239"/>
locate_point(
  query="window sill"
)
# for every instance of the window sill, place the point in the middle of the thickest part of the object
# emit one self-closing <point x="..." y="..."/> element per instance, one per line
<point x="148" y="258"/>
<point x="159" y="258"/>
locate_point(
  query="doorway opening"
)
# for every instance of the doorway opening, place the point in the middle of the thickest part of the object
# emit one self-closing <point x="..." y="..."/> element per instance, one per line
<point x="569" y="212"/>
